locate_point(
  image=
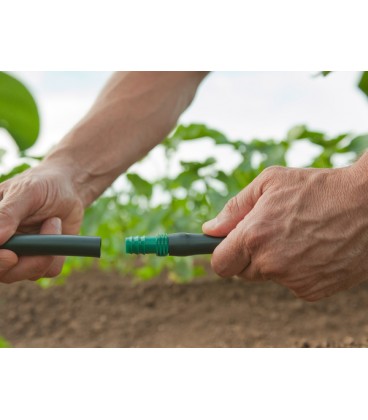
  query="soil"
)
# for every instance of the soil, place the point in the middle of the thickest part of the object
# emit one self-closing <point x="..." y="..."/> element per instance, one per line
<point x="95" y="309"/>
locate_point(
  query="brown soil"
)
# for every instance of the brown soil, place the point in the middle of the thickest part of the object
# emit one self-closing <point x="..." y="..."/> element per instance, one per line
<point x="97" y="309"/>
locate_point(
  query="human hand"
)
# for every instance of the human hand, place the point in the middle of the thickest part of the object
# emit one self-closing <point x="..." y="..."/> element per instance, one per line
<point x="40" y="200"/>
<point x="306" y="229"/>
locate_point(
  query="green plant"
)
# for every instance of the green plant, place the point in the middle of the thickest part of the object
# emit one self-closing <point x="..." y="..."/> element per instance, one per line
<point x="18" y="112"/>
<point x="20" y="117"/>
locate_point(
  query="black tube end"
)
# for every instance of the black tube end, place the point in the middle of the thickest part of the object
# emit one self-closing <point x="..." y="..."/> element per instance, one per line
<point x="67" y="245"/>
<point x="99" y="247"/>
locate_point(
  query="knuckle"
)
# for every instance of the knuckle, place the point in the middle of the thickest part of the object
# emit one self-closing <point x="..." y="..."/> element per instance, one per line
<point x="28" y="184"/>
<point x="221" y="264"/>
<point x="272" y="172"/>
<point x="233" y="206"/>
<point x="252" y="237"/>
<point x="251" y="273"/>
<point x="6" y="216"/>
<point x="274" y="264"/>
<point x="272" y="269"/>
<point x="219" y="268"/>
<point x="274" y="169"/>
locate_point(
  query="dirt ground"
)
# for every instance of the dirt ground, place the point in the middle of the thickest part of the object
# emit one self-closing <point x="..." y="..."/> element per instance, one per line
<point x="95" y="309"/>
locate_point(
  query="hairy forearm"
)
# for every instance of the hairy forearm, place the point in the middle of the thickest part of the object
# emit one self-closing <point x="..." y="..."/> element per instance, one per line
<point x="132" y="114"/>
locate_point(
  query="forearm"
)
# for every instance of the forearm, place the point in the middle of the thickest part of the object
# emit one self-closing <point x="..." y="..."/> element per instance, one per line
<point x="133" y="113"/>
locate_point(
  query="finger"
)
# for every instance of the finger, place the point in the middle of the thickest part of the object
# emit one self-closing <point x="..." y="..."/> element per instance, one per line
<point x="55" y="268"/>
<point x="231" y="257"/>
<point x="51" y="226"/>
<point x="235" y="210"/>
<point x="8" y="260"/>
<point x="251" y="273"/>
<point x="14" y="207"/>
<point x="34" y="267"/>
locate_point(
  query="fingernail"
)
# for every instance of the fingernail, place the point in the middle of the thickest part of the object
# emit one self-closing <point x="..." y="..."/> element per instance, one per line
<point x="56" y="222"/>
<point x="211" y="224"/>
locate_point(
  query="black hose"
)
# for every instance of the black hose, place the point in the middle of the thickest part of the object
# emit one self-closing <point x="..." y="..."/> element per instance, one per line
<point x="68" y="245"/>
<point x="184" y="244"/>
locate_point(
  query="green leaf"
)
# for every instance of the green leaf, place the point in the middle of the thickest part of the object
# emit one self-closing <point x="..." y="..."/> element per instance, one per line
<point x="322" y="73"/>
<point x="296" y="133"/>
<point x="301" y="132"/>
<point x="146" y="272"/>
<point x="15" y="171"/>
<point x="195" y="166"/>
<point x="185" y="179"/>
<point x="199" y="270"/>
<point x="274" y="154"/>
<point x="18" y="112"/>
<point x="363" y="83"/>
<point x="141" y="186"/>
<point x="358" y="144"/>
<point x="198" y="131"/>
<point x="221" y="176"/>
<point x="323" y="160"/>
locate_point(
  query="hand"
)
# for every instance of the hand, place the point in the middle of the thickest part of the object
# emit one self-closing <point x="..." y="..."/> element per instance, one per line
<point x="306" y="229"/>
<point x="40" y="200"/>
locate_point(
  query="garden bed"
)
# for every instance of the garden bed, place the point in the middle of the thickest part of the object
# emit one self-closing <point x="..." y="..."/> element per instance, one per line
<point x="95" y="309"/>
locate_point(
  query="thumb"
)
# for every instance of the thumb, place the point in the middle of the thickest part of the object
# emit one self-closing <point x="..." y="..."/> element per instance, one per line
<point x="235" y="210"/>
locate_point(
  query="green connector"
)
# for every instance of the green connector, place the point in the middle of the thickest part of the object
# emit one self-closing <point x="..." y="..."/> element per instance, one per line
<point x="177" y="244"/>
<point x="158" y="245"/>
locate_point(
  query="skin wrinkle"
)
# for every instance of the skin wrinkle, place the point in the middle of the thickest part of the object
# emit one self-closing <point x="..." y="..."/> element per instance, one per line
<point x="327" y="289"/>
<point x="247" y="251"/>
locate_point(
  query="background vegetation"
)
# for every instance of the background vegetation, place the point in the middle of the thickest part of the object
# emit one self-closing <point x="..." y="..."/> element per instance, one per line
<point x="171" y="203"/>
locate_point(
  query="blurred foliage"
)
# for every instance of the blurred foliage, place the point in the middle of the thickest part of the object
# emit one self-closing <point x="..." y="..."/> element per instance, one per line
<point x="325" y="73"/>
<point x="3" y="343"/>
<point x="18" y="112"/>
<point x="363" y="83"/>
<point x="196" y="193"/>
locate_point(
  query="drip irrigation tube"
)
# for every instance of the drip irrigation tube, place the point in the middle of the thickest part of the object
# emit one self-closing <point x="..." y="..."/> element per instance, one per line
<point x="67" y="245"/>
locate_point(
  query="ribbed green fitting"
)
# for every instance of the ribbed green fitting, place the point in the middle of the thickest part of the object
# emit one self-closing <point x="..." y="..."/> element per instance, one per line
<point x="158" y="245"/>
